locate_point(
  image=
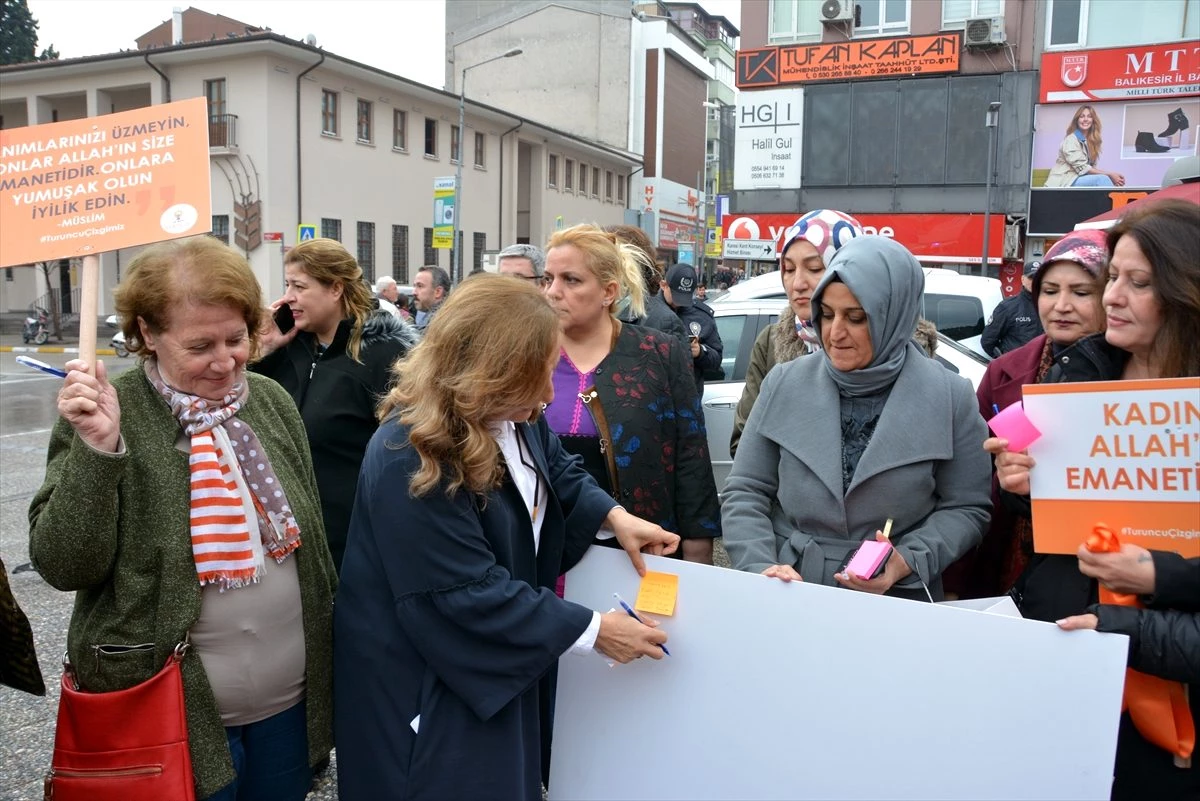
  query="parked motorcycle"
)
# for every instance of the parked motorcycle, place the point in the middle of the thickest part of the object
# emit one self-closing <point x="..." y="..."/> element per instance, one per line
<point x="36" y="326"/>
<point x="118" y="340"/>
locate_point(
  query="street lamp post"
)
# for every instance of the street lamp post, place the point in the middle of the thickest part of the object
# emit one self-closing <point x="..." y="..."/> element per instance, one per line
<point x="991" y="120"/>
<point x="703" y="201"/>
<point x="456" y="244"/>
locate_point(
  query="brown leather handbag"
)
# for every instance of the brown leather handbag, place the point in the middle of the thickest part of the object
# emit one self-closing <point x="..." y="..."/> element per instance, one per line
<point x="127" y="745"/>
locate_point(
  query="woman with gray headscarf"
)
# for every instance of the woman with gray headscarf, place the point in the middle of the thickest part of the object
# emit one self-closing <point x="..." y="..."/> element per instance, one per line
<point x="871" y="431"/>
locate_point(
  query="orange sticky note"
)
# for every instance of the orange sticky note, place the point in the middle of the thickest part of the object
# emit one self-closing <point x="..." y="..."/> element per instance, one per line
<point x="657" y="593"/>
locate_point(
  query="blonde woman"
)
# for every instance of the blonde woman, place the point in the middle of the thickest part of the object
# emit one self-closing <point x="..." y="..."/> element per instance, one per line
<point x="625" y="398"/>
<point x="336" y="363"/>
<point x="1079" y="153"/>
<point x="446" y="623"/>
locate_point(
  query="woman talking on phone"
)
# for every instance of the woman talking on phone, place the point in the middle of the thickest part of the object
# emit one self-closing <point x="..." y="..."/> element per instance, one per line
<point x="335" y="360"/>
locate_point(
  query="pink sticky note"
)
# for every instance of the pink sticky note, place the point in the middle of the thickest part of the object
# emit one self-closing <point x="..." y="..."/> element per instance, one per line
<point x="1012" y="424"/>
<point x="868" y="558"/>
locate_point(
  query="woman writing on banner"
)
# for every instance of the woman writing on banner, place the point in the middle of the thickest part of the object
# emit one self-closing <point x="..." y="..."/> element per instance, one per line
<point x="1075" y="164"/>
<point x="447" y="622"/>
<point x="1152" y="304"/>
<point x="121" y="520"/>
<point x="1066" y="290"/>
<point x="869" y="429"/>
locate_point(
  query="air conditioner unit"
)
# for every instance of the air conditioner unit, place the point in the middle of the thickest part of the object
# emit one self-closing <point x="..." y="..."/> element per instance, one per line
<point x="833" y="11"/>
<point x="984" y="32"/>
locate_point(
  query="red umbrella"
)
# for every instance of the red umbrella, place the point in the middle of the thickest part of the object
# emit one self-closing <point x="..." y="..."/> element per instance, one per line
<point x="1189" y="191"/>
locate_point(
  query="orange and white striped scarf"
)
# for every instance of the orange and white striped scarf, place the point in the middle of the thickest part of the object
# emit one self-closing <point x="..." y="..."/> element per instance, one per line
<point x="229" y="476"/>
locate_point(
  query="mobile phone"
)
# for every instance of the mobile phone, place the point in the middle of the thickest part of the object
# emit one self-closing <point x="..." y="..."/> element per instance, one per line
<point x="284" y="319"/>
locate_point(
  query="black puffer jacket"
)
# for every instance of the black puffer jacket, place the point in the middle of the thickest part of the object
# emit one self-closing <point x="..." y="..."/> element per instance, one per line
<point x="1164" y="640"/>
<point x="337" y="397"/>
<point x="660" y="317"/>
<point x="1014" y="322"/>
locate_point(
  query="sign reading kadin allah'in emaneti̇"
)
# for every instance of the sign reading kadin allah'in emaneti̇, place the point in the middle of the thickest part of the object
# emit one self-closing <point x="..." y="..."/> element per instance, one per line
<point x="767" y="147"/>
<point x="96" y="184"/>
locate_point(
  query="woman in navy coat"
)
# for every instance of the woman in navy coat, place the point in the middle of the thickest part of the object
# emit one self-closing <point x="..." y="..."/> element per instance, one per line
<point x="446" y="624"/>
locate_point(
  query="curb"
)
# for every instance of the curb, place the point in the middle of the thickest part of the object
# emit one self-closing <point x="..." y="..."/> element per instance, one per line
<point x="52" y="349"/>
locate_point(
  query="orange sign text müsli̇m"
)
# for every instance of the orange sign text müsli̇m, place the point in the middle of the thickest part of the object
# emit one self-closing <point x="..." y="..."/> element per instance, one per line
<point x="98" y="184"/>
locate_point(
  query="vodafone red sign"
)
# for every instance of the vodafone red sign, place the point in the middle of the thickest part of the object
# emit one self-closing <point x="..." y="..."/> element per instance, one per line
<point x="950" y="238"/>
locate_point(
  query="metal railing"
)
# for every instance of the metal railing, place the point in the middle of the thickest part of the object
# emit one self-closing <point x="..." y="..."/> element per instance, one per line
<point x="222" y="131"/>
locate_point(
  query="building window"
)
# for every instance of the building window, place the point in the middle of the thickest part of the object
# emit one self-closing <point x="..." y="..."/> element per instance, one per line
<point x="480" y="150"/>
<point x="569" y="175"/>
<point x="399" y="130"/>
<point x="400" y="253"/>
<point x="583" y="179"/>
<point x="480" y="244"/>
<point x="455" y="144"/>
<point x="366" y="249"/>
<point x="365" y="113"/>
<point x="794" y="21"/>
<point x="331" y="229"/>
<point x="1067" y="23"/>
<point x="431" y="137"/>
<point x="220" y="227"/>
<point x="608" y="185"/>
<point x="431" y="254"/>
<point x="214" y="91"/>
<point x="8" y="274"/>
<point x="621" y="189"/>
<point x="595" y="182"/>
<point x="882" y="17"/>
<point x="955" y="13"/>
<point x="329" y="112"/>
<point x="552" y="170"/>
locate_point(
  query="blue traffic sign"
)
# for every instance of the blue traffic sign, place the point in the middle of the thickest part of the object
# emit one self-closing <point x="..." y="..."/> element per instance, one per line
<point x="306" y="232"/>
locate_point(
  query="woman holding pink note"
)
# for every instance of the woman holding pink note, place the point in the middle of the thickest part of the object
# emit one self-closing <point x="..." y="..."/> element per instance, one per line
<point x="872" y="430"/>
<point x="1152" y="305"/>
<point x="1066" y="289"/>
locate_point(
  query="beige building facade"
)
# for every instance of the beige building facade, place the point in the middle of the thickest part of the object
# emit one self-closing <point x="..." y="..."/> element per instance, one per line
<point x="301" y="136"/>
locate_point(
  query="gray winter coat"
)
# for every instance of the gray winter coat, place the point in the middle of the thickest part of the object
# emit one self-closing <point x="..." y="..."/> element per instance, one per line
<point x="924" y="467"/>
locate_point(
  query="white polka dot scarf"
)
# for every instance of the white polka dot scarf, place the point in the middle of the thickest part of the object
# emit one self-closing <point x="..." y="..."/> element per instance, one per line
<point x="227" y="541"/>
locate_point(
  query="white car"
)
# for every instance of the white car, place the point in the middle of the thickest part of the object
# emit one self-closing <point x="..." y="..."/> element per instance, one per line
<point x="959" y="305"/>
<point x="739" y="323"/>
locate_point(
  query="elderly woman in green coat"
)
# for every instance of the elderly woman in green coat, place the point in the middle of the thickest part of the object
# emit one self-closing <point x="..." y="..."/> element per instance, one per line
<point x="180" y="502"/>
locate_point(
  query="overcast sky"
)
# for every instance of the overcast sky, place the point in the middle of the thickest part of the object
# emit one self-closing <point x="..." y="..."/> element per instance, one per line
<point x="403" y="37"/>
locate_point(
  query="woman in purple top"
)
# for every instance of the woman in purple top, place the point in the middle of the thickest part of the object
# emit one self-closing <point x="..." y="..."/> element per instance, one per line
<point x="624" y="397"/>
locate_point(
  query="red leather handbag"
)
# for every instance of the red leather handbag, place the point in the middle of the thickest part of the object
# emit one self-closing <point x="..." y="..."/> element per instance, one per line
<point x="127" y="745"/>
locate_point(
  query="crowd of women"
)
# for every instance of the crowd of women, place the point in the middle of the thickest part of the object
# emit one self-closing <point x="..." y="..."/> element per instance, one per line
<point x="361" y="536"/>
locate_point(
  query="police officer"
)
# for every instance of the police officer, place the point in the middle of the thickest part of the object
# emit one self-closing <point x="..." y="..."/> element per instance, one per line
<point x="697" y="319"/>
<point x="1015" y="321"/>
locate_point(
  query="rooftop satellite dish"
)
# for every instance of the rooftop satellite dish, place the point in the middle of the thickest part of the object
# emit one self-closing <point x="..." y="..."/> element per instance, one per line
<point x="310" y="40"/>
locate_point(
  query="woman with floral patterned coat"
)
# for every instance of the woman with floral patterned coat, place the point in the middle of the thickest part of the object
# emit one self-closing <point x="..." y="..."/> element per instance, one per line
<point x="625" y="400"/>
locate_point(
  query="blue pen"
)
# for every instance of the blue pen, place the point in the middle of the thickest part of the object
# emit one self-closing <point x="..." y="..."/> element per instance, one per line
<point x="996" y="408"/>
<point x="45" y="368"/>
<point x="629" y="611"/>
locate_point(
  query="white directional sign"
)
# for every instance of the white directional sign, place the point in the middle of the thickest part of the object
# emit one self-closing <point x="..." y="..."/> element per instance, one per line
<point x="760" y="249"/>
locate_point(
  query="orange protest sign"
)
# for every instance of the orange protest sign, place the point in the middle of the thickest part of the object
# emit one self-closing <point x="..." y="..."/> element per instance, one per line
<point x="1122" y="453"/>
<point x="657" y="593"/>
<point x="87" y="186"/>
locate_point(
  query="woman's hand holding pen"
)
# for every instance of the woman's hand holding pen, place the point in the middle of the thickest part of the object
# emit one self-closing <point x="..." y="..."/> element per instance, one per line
<point x="622" y="638"/>
<point x="89" y="403"/>
<point x="1012" y="467"/>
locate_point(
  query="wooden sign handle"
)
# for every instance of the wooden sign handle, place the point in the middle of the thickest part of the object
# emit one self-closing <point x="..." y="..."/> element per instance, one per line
<point x="89" y="297"/>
